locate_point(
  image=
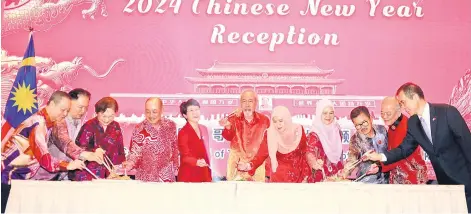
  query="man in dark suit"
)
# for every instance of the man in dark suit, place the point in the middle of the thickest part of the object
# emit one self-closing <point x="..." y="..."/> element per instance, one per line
<point x="441" y="132"/>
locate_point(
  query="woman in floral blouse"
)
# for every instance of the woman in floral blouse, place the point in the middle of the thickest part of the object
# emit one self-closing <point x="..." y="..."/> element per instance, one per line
<point x="103" y="133"/>
<point x="324" y="143"/>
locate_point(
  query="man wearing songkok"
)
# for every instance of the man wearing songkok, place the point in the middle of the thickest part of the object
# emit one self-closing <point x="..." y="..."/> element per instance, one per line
<point x="61" y="144"/>
<point x="411" y="170"/>
<point x="368" y="137"/>
<point x="244" y="129"/>
<point x="154" y="148"/>
<point x="26" y="151"/>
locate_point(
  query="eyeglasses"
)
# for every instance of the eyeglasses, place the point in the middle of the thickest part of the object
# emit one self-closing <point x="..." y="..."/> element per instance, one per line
<point x="363" y="124"/>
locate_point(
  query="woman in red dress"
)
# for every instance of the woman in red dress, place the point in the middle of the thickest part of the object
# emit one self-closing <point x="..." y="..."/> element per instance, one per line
<point x="324" y="144"/>
<point x="194" y="161"/>
<point x="285" y="144"/>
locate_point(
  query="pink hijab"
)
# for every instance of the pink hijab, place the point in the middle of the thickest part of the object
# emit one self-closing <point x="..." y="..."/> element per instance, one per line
<point x="284" y="142"/>
<point x="329" y="135"/>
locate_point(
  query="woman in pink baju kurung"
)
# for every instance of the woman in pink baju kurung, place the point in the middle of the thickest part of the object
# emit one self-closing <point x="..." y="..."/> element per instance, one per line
<point x="285" y="144"/>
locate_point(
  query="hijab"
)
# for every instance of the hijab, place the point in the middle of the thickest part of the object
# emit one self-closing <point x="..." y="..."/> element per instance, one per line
<point x="329" y="135"/>
<point x="283" y="142"/>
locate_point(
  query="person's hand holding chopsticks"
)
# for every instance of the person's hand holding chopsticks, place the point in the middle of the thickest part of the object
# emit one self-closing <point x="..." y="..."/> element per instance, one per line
<point x="371" y="155"/>
<point x="91" y="156"/>
<point x="76" y="164"/>
<point x="127" y="165"/>
<point x="373" y="169"/>
<point x="244" y="166"/>
<point x="318" y="164"/>
<point x="100" y="153"/>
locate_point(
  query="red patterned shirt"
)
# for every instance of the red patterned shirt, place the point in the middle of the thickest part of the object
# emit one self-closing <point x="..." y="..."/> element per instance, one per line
<point x="154" y="151"/>
<point x="411" y="170"/>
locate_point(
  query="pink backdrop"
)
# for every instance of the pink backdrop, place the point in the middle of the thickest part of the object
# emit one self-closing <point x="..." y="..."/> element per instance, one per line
<point x="151" y="54"/>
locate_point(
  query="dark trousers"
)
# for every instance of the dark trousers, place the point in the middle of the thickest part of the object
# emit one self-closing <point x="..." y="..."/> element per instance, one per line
<point x="5" y="193"/>
<point x="468" y="199"/>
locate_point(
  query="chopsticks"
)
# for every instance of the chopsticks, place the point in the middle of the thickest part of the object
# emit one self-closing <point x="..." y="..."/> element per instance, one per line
<point x="232" y="113"/>
<point x="106" y="165"/>
<point x="110" y="166"/>
<point x="323" y="174"/>
<point x="91" y="173"/>
<point x="359" y="178"/>
<point x="356" y="163"/>
<point x="109" y="160"/>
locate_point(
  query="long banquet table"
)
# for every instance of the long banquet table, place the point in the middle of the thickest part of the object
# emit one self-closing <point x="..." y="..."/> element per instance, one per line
<point x="108" y="196"/>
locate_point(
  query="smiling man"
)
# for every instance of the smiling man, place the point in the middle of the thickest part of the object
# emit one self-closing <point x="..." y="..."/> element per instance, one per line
<point x="367" y="137"/>
<point x="411" y="170"/>
<point x="244" y="130"/>
<point x="154" y="149"/>
<point x="30" y="152"/>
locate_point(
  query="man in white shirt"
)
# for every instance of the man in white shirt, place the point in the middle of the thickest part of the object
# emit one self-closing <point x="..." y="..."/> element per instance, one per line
<point x="441" y="132"/>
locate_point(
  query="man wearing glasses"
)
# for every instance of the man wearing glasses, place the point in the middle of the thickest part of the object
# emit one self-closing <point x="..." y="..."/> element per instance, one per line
<point x="367" y="137"/>
<point x="441" y="131"/>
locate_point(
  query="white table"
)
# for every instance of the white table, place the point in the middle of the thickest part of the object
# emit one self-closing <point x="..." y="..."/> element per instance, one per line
<point x="231" y="197"/>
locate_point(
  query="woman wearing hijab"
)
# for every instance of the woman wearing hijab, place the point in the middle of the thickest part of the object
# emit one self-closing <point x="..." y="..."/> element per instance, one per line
<point x="324" y="144"/>
<point x="285" y="144"/>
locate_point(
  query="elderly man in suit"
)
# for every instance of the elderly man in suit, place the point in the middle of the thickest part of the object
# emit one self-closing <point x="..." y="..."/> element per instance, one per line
<point x="443" y="134"/>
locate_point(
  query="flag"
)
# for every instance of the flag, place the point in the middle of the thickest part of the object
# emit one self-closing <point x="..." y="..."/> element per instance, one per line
<point x="22" y="101"/>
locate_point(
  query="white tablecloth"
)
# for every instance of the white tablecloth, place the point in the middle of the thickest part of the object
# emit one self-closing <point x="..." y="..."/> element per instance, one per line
<point x="231" y="197"/>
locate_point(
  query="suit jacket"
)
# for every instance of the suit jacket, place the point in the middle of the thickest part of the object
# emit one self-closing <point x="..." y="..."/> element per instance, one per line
<point x="450" y="153"/>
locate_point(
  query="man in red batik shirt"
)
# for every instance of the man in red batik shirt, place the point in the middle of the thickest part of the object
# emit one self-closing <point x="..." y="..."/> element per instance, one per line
<point x="411" y="170"/>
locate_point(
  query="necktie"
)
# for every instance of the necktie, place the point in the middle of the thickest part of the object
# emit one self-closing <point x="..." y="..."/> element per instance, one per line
<point x="427" y="130"/>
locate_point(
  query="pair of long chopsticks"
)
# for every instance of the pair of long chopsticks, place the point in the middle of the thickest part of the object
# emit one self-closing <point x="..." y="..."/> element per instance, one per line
<point x="323" y="174"/>
<point x="359" y="178"/>
<point x="232" y="113"/>
<point x="355" y="164"/>
<point x="109" y="165"/>
<point x="91" y="173"/>
<point x="106" y="164"/>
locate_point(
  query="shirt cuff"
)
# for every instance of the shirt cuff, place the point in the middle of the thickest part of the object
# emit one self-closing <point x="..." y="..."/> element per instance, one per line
<point x="63" y="165"/>
<point x="383" y="158"/>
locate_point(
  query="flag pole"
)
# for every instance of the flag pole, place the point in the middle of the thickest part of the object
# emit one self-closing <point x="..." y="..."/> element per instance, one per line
<point x="31" y="30"/>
